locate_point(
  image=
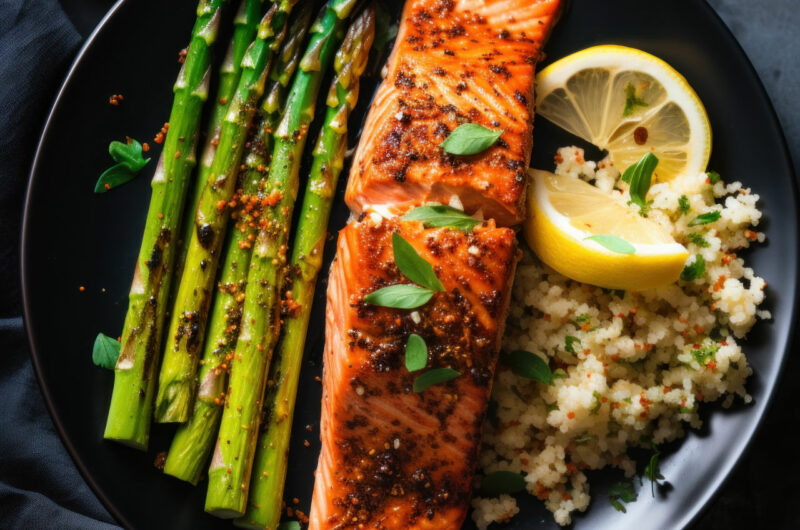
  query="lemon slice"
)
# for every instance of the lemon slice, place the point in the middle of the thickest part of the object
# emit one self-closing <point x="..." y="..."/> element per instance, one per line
<point x="628" y="102"/>
<point x="565" y="217"/>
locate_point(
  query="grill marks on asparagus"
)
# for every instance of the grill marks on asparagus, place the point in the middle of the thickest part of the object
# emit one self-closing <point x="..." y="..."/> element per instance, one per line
<point x="270" y="466"/>
<point x="177" y="381"/>
<point x="193" y="441"/>
<point x="231" y="465"/>
<point x="131" y="401"/>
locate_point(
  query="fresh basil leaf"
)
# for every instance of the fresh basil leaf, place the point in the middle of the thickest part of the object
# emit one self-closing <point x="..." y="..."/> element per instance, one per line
<point x="434" y="377"/>
<point x="413" y="265"/>
<point x="105" y="351"/>
<point x="470" y="139"/>
<point x="622" y="492"/>
<point x="289" y="525"/>
<point x="683" y="204"/>
<point x="502" y="482"/>
<point x="632" y="101"/>
<point x="528" y="365"/>
<point x="705" y="218"/>
<point x="416" y="353"/>
<point x="639" y="176"/>
<point x="713" y="177"/>
<point x="112" y="177"/>
<point x="128" y="154"/>
<point x="439" y="215"/>
<point x="400" y="296"/>
<point x="613" y="243"/>
<point x="570" y="343"/>
<point x="694" y="270"/>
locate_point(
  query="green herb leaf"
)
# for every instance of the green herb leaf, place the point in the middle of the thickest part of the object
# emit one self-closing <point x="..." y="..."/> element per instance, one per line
<point x="528" y="365"/>
<point x="128" y="154"/>
<point x="105" y="351"/>
<point x="559" y="373"/>
<point x="698" y="240"/>
<point x="652" y="472"/>
<point x="613" y="243"/>
<point x="621" y="492"/>
<point x="583" y="318"/>
<point x="440" y="215"/>
<point x="683" y="205"/>
<point x="470" y="139"/>
<point x="713" y="177"/>
<point x="500" y="482"/>
<point x="570" y="343"/>
<point x="400" y="296"/>
<point x="694" y="270"/>
<point x="705" y="218"/>
<point x="413" y="265"/>
<point x="289" y="525"/>
<point x="434" y="377"/>
<point x="114" y="176"/>
<point x="551" y="408"/>
<point x="632" y="101"/>
<point x="705" y="354"/>
<point x="416" y="353"/>
<point x="640" y="176"/>
<point x="129" y="162"/>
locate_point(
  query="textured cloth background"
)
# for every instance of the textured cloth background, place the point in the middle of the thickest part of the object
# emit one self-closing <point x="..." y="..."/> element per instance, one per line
<point x="39" y="485"/>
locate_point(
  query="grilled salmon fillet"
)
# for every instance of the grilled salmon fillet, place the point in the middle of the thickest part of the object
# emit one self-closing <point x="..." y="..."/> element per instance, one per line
<point x="392" y="457"/>
<point x="454" y="61"/>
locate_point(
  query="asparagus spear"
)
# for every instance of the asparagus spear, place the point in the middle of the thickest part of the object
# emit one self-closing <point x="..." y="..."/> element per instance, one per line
<point x="193" y="440"/>
<point x="134" y="376"/>
<point x="269" y="469"/>
<point x="229" y="473"/>
<point x="245" y="27"/>
<point x="178" y="379"/>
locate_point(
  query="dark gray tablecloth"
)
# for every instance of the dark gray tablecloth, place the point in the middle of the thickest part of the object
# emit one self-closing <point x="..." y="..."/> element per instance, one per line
<point x="39" y="485"/>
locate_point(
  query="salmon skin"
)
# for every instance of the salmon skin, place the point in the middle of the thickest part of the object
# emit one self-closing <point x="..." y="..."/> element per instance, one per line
<point x="392" y="457"/>
<point x="454" y="61"/>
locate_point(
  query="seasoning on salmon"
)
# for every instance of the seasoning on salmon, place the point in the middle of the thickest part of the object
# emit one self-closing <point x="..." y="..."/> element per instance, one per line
<point x="392" y="457"/>
<point x="454" y="62"/>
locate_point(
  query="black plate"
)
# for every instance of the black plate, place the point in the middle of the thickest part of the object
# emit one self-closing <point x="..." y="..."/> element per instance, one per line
<point x="73" y="238"/>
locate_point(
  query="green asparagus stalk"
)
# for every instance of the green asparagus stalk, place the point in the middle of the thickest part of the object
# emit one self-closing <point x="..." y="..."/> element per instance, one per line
<point x="178" y="379"/>
<point x="269" y="468"/>
<point x="134" y="376"/>
<point x="229" y="473"/>
<point x="194" y="440"/>
<point x="245" y="27"/>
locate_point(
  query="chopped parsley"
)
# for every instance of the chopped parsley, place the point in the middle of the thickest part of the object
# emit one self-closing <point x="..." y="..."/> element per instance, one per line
<point x="698" y="240"/>
<point x="694" y="270"/>
<point x="705" y="354"/>
<point x="705" y="218"/>
<point x="570" y="342"/>
<point x="683" y="204"/>
<point x="632" y="101"/>
<point x="622" y="492"/>
<point x="713" y="177"/>
<point x="652" y="472"/>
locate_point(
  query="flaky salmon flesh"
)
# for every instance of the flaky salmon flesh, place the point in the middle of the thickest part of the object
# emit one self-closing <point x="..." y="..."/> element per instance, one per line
<point x="455" y="61"/>
<point x="392" y="457"/>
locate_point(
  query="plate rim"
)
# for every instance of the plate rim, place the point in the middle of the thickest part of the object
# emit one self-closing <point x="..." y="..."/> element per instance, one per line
<point x="690" y="516"/>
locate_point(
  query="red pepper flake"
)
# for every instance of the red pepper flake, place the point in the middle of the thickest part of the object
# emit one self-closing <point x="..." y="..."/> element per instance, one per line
<point x="615" y="357"/>
<point x="712" y="365"/>
<point x="565" y="496"/>
<point x="107" y="186"/>
<point x="727" y="258"/>
<point x="221" y="205"/>
<point x="145" y="147"/>
<point x="586" y="327"/>
<point x="634" y="310"/>
<point x="160" y="460"/>
<point x="720" y="282"/>
<point x="749" y="234"/>
<point x="81" y="288"/>
<point x="306" y="443"/>
<point x="558" y="159"/>
<point x="177" y="154"/>
<point x="222" y="101"/>
<point x="115" y="99"/>
<point x="571" y="415"/>
<point x="698" y="329"/>
<point x="160" y="215"/>
<point x="182" y="55"/>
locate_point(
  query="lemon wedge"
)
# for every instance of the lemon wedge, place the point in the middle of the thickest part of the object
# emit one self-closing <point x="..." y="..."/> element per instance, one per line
<point x="628" y="102"/>
<point x="593" y="237"/>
